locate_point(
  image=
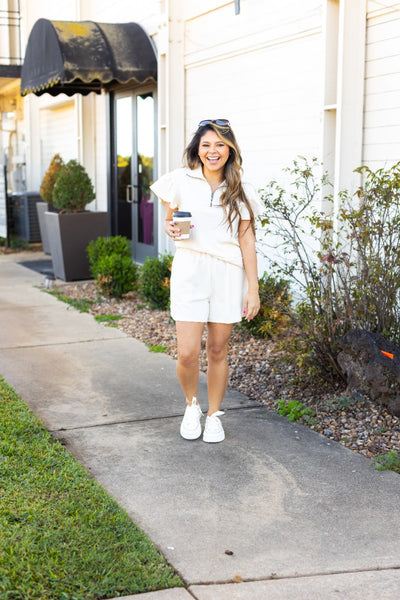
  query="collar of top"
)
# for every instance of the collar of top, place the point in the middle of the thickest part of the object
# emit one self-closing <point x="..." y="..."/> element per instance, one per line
<point x="197" y="173"/>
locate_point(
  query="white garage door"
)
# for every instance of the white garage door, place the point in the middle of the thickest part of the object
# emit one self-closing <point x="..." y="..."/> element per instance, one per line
<point x="58" y="133"/>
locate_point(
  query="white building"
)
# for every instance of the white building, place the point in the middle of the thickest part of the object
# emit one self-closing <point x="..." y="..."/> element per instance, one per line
<point x="314" y="78"/>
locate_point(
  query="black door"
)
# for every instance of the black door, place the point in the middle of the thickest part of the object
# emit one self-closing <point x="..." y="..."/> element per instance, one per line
<point x="134" y="206"/>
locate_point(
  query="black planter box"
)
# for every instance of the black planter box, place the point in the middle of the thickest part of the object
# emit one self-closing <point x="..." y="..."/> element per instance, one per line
<point x="69" y="235"/>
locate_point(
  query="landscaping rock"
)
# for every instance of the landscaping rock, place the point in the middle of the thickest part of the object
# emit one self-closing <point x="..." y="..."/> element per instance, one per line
<point x="368" y="370"/>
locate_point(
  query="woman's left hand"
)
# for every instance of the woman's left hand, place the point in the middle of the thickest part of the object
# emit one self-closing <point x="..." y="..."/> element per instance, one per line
<point x="251" y="305"/>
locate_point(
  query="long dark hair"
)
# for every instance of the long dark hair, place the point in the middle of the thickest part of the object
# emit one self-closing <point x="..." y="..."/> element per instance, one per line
<point x="234" y="192"/>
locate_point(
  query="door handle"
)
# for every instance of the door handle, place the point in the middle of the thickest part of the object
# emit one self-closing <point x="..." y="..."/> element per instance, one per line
<point x="130" y="194"/>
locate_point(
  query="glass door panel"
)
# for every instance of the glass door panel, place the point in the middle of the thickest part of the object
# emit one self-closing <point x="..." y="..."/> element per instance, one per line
<point x="145" y="218"/>
<point x="124" y="151"/>
<point x="134" y="205"/>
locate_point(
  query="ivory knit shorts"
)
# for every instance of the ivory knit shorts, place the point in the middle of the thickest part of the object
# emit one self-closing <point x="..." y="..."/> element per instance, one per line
<point x="206" y="289"/>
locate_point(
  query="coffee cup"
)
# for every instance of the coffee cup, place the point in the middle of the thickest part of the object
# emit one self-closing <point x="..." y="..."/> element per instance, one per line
<point x="183" y="220"/>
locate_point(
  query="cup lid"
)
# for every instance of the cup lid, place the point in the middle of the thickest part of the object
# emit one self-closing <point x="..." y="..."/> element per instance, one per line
<point x="181" y="213"/>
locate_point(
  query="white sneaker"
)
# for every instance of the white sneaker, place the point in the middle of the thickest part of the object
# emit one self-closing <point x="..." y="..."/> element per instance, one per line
<point x="190" y="426"/>
<point x="213" y="431"/>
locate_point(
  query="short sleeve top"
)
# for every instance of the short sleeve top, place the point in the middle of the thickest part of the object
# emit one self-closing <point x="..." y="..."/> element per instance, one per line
<point x="188" y="190"/>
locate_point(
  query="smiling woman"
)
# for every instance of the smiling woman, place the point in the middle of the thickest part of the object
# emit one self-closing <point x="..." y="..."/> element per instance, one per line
<point x="213" y="153"/>
<point x="214" y="271"/>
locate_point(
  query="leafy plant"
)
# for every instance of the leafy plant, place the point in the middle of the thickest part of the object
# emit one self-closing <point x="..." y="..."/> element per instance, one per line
<point x="16" y="243"/>
<point x="388" y="462"/>
<point x="293" y="409"/>
<point x="73" y="189"/>
<point x="275" y="300"/>
<point x="158" y="348"/>
<point x="372" y="223"/>
<point x="50" y="178"/>
<point x="104" y="246"/>
<point x="155" y="281"/>
<point x="107" y="318"/>
<point x="344" y="401"/>
<point x="111" y="265"/>
<point x="117" y="275"/>
<point x="341" y="255"/>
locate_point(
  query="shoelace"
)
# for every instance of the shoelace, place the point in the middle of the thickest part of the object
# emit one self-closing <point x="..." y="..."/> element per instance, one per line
<point x="213" y="418"/>
<point x="195" y="407"/>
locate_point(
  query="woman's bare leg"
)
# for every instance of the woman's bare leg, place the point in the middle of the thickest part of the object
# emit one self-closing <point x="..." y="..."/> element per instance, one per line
<point x="189" y="336"/>
<point x="218" y="369"/>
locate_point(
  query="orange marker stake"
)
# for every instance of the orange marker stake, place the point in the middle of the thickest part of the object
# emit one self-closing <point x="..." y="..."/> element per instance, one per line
<point x="387" y="354"/>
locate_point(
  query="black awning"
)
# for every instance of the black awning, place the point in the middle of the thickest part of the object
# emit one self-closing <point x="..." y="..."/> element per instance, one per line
<point x="69" y="57"/>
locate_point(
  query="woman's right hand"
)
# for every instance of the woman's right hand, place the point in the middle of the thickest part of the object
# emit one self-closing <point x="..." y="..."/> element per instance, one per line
<point x="172" y="230"/>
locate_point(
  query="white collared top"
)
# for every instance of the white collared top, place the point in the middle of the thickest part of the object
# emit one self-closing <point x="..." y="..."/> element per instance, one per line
<point x="188" y="190"/>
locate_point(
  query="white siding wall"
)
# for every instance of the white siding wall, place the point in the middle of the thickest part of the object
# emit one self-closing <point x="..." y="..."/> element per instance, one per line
<point x="262" y="70"/>
<point x="57" y="134"/>
<point x="382" y="88"/>
<point x="122" y="11"/>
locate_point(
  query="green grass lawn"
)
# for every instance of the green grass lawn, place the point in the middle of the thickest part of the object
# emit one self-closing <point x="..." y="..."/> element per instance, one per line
<point x="61" y="536"/>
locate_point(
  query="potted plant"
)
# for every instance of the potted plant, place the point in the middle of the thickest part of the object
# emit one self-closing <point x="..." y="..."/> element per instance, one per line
<point x="71" y="230"/>
<point x="46" y="194"/>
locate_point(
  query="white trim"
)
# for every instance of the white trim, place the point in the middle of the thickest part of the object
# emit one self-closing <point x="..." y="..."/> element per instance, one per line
<point x="350" y="93"/>
<point x="343" y="104"/>
<point x="171" y="105"/>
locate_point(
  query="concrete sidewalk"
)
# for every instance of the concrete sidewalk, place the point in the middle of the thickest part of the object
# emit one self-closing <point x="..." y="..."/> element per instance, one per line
<point x="300" y="516"/>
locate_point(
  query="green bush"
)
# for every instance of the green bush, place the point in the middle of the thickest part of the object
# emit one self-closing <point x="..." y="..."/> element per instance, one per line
<point x="155" y="281"/>
<point x="111" y="265"/>
<point x="73" y="189"/>
<point x="275" y="300"/>
<point x="341" y="254"/>
<point x="50" y="178"/>
<point x="105" y="246"/>
<point x="117" y="275"/>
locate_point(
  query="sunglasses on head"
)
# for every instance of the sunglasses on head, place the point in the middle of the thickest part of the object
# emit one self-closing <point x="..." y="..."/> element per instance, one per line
<point x="218" y="122"/>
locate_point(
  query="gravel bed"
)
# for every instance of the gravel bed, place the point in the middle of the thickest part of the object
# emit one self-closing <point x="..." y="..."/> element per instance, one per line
<point x="260" y="369"/>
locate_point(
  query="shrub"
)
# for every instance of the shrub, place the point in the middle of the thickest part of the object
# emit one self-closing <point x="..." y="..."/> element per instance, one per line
<point x="155" y="281"/>
<point x="293" y="410"/>
<point x="104" y="246"/>
<point x="50" y="178"/>
<point x="275" y="300"/>
<point x="73" y="189"/>
<point x="111" y="265"/>
<point x="117" y="275"/>
<point x="345" y="263"/>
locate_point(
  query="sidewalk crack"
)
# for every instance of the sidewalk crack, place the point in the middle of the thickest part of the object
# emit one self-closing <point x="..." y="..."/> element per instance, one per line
<point x="275" y="577"/>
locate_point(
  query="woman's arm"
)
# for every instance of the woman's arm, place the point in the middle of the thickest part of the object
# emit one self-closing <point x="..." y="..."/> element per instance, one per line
<point x="168" y="219"/>
<point x="247" y="245"/>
